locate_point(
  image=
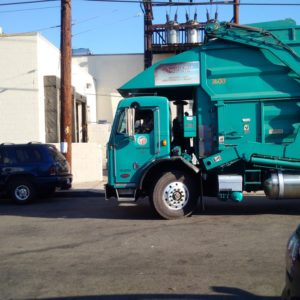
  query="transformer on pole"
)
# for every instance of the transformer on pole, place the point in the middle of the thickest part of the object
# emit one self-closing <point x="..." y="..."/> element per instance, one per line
<point x="174" y="37"/>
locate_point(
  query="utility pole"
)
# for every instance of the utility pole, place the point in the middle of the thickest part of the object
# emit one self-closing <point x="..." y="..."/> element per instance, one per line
<point x="66" y="85"/>
<point x="148" y="33"/>
<point x="236" y="11"/>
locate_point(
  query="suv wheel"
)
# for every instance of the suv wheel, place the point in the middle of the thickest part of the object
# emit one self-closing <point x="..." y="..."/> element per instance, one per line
<point x="21" y="191"/>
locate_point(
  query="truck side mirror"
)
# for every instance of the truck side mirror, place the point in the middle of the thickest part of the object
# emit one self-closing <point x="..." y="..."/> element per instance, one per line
<point x="130" y="116"/>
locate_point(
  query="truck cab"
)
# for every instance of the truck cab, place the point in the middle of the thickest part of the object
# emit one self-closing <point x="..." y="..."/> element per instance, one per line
<point x="146" y="143"/>
<point x="140" y="135"/>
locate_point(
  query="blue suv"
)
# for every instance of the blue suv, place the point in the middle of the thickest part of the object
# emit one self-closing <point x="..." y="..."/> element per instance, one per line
<point x="31" y="170"/>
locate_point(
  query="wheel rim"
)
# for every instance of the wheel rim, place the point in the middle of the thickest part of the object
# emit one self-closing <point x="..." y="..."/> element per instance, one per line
<point x="22" y="192"/>
<point x="176" y="195"/>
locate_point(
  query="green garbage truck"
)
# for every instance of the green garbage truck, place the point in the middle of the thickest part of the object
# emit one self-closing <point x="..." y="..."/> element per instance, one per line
<point x="218" y="120"/>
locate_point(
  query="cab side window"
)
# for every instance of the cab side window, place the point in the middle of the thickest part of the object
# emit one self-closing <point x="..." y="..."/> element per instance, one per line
<point x="122" y="123"/>
<point x="143" y="121"/>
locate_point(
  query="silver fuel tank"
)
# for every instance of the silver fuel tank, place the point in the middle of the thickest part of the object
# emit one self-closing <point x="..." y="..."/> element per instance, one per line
<point x="280" y="186"/>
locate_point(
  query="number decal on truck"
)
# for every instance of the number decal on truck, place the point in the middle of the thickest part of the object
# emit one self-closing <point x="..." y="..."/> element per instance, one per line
<point x="219" y="81"/>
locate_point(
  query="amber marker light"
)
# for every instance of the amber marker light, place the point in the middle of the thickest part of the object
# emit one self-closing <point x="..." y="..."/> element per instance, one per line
<point x="164" y="142"/>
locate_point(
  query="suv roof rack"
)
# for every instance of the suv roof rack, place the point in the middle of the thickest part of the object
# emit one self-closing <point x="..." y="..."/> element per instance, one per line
<point x="34" y="142"/>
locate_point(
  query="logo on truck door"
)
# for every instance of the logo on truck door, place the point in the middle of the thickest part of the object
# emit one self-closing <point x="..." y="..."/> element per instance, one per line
<point x="142" y="140"/>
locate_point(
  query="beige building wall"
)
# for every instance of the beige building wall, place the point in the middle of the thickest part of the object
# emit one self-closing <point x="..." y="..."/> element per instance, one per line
<point x="86" y="162"/>
<point x="25" y="60"/>
<point x="48" y="63"/>
<point x="19" y="84"/>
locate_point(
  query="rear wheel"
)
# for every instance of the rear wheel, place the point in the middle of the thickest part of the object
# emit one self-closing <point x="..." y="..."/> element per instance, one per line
<point x="21" y="190"/>
<point x="174" y="195"/>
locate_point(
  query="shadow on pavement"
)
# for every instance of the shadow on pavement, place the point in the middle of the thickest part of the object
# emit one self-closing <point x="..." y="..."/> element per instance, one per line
<point x="226" y="293"/>
<point x="78" y="204"/>
<point x="80" y="193"/>
<point x="91" y="204"/>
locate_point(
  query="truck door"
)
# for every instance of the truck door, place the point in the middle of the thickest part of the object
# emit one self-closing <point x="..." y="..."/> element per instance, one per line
<point x="133" y="153"/>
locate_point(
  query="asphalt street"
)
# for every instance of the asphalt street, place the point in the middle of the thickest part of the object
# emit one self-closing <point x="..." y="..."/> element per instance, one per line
<point x="76" y="245"/>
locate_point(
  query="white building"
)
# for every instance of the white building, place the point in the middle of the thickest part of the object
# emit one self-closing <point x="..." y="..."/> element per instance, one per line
<point x="29" y="91"/>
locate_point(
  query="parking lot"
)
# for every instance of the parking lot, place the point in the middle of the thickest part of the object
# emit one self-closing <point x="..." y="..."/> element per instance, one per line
<point x="78" y="246"/>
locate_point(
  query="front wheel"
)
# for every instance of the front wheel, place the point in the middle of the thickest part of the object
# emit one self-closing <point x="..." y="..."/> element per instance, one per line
<point x="174" y="195"/>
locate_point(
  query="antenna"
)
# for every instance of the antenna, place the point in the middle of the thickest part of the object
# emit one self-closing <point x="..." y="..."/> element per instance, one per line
<point x="207" y="15"/>
<point x="216" y="14"/>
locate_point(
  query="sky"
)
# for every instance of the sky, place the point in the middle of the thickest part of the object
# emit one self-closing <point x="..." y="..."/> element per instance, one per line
<point x="108" y="28"/>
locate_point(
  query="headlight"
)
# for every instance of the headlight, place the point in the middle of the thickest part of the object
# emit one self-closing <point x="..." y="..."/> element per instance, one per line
<point x="293" y="253"/>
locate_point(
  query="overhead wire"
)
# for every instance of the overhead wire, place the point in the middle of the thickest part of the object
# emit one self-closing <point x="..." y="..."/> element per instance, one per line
<point x="182" y="3"/>
<point x="140" y="2"/>
<point x="169" y="3"/>
<point x="27" y="2"/>
<point x="216" y="2"/>
<point x="116" y="22"/>
<point x="74" y="23"/>
<point x="27" y="9"/>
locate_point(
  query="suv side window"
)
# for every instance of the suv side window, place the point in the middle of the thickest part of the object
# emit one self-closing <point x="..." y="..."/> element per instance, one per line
<point x="28" y="155"/>
<point x="8" y="156"/>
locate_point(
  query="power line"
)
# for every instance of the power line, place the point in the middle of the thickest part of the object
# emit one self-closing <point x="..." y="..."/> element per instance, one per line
<point x="27" y="9"/>
<point x="162" y="3"/>
<point x="108" y="24"/>
<point x="26" y="2"/>
<point x="165" y="3"/>
<point x="74" y="23"/>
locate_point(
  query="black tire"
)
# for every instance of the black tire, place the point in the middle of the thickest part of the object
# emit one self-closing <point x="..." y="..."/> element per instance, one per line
<point x="174" y="195"/>
<point x="21" y="190"/>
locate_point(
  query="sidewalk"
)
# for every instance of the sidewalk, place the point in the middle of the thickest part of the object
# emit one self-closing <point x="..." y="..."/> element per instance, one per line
<point x="85" y="187"/>
<point x="91" y="185"/>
